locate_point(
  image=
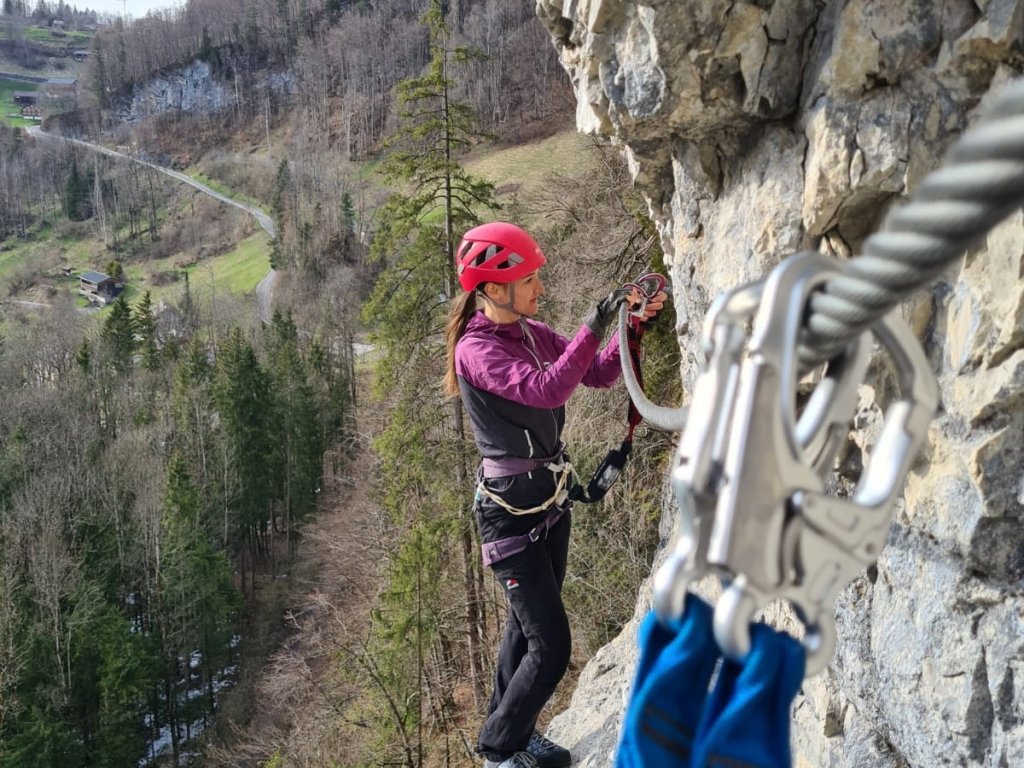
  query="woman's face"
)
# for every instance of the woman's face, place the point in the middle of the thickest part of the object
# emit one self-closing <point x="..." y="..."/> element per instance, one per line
<point x="528" y="290"/>
<point x="525" y="294"/>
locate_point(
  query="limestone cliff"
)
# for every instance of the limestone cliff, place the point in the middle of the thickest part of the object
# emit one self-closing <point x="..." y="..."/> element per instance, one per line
<point x="757" y="129"/>
<point x="191" y="89"/>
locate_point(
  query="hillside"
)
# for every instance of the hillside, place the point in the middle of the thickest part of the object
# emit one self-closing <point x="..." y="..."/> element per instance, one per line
<point x="39" y="60"/>
<point x="212" y="246"/>
<point x="42" y="48"/>
<point x="227" y="455"/>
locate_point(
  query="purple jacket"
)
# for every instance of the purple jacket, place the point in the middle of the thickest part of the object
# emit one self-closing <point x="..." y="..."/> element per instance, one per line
<point x="515" y="384"/>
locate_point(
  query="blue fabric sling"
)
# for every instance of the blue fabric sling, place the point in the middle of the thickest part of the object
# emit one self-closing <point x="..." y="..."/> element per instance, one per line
<point x="673" y="722"/>
<point x="673" y="674"/>
<point x="747" y="714"/>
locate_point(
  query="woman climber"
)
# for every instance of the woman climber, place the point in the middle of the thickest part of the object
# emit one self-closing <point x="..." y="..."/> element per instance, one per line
<point x="514" y="375"/>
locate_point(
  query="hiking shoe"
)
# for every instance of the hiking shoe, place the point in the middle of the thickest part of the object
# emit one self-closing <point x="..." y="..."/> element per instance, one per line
<point x="518" y="760"/>
<point x="547" y="754"/>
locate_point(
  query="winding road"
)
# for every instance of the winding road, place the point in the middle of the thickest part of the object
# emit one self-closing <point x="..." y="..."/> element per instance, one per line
<point x="265" y="288"/>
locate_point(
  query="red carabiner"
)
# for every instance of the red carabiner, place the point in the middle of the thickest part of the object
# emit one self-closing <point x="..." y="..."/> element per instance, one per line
<point x="648" y="285"/>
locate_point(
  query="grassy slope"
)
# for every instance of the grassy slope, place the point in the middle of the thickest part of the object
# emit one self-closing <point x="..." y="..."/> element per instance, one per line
<point x="523" y="166"/>
<point x="236" y="272"/>
<point x="47" y="37"/>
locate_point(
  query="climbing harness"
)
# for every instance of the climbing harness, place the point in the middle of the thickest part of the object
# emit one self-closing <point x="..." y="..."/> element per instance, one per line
<point x="559" y="466"/>
<point x="567" y="483"/>
<point x="750" y="477"/>
<point x="496" y="551"/>
<point x="556" y="504"/>
<point x="645" y="288"/>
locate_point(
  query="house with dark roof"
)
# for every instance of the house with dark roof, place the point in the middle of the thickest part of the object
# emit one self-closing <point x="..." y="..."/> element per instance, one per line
<point x="24" y="98"/>
<point x="99" y="288"/>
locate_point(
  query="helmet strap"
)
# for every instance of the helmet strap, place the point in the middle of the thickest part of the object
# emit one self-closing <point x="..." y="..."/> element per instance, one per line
<point x="506" y="306"/>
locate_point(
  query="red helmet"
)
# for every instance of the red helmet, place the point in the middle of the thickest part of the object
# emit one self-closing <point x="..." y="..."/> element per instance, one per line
<point x="496" y="253"/>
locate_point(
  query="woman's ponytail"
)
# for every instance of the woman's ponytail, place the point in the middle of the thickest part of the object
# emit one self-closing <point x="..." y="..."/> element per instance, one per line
<point x="462" y="308"/>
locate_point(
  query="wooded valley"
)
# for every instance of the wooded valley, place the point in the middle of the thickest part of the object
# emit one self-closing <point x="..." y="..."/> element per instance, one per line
<point x="169" y="463"/>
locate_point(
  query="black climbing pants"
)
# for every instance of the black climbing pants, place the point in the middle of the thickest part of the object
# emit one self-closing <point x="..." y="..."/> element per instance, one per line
<point x="535" y="646"/>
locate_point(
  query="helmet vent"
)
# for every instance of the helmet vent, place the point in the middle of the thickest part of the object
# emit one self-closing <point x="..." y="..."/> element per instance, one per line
<point x="486" y="255"/>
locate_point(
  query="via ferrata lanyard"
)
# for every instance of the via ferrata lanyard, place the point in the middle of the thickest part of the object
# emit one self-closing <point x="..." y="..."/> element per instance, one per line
<point x="749" y="477"/>
<point x="645" y="288"/>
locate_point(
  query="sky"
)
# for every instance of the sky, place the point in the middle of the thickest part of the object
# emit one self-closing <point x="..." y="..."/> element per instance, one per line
<point x="135" y="9"/>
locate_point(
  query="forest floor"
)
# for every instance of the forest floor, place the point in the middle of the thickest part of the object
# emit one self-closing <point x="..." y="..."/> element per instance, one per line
<point x="297" y="699"/>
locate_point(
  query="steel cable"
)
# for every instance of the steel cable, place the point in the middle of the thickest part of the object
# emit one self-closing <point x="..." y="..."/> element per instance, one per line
<point x="980" y="183"/>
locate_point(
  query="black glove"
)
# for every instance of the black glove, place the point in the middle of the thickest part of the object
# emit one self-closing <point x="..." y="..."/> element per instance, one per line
<point x="606" y="311"/>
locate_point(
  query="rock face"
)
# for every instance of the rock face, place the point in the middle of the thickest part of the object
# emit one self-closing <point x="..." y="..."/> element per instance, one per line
<point x="758" y="129"/>
<point x="191" y="89"/>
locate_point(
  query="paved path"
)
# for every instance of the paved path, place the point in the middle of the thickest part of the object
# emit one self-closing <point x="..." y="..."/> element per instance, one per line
<point x="265" y="289"/>
<point x="16" y="78"/>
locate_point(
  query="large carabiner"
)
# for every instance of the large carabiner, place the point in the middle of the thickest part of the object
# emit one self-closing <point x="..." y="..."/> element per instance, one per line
<point x="697" y="475"/>
<point x="750" y="475"/>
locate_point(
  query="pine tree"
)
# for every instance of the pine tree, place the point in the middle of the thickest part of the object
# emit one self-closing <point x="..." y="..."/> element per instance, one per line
<point x="42" y="737"/>
<point x="206" y="49"/>
<point x="279" y="209"/>
<point x="244" y="402"/>
<point x="300" y="441"/>
<point x="192" y="402"/>
<point x="348" y="214"/>
<point x="417" y="229"/>
<point x="12" y="613"/>
<point x="118" y="336"/>
<point x="426" y="466"/>
<point x="197" y="599"/>
<point x="98" y="85"/>
<point x="115" y="269"/>
<point x="144" y="324"/>
<point x="77" y="203"/>
<point x="124" y="667"/>
<point x="83" y="358"/>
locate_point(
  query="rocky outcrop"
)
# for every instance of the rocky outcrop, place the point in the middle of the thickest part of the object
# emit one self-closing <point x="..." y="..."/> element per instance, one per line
<point x="758" y="129"/>
<point x="189" y="90"/>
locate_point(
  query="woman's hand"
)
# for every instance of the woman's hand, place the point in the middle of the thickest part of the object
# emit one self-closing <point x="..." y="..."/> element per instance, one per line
<point x="654" y="305"/>
<point x="604" y="313"/>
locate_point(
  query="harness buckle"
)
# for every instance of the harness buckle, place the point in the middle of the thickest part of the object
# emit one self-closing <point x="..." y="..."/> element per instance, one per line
<point x="750" y="474"/>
